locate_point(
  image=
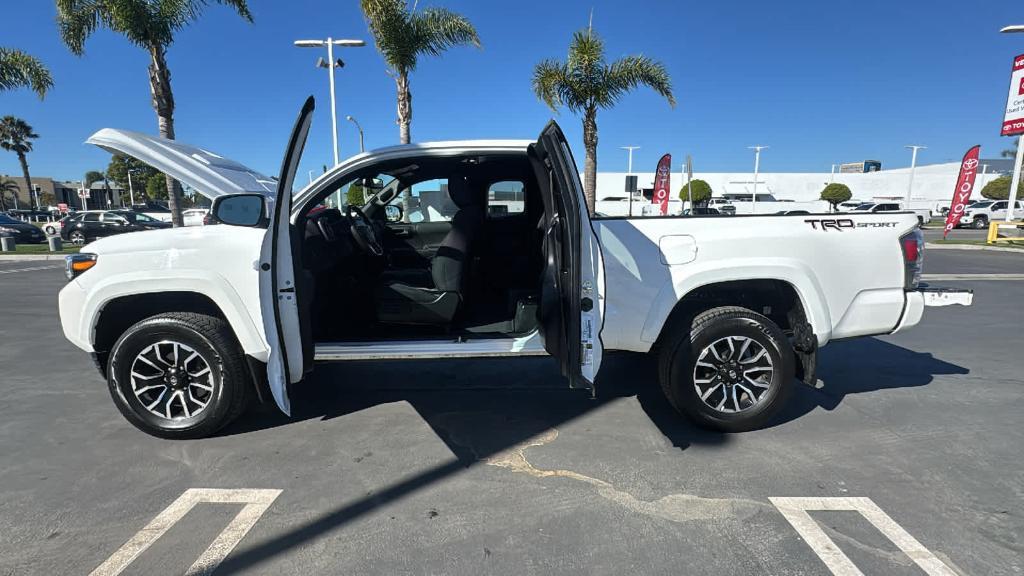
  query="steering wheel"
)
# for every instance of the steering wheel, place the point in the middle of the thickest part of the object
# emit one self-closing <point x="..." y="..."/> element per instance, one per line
<point x="363" y="231"/>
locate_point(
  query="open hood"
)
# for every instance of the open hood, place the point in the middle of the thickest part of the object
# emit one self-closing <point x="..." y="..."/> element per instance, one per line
<point x="203" y="171"/>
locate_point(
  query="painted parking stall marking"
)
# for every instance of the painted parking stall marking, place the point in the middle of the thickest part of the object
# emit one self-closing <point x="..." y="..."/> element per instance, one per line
<point x="16" y="270"/>
<point x="795" y="511"/>
<point x="256" y="503"/>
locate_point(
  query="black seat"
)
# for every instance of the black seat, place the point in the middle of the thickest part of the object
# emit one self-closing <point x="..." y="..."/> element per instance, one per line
<point x="401" y="300"/>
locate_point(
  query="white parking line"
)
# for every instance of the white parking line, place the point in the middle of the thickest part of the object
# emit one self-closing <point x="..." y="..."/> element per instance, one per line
<point x="28" y="269"/>
<point x="795" y="511"/>
<point x="256" y="501"/>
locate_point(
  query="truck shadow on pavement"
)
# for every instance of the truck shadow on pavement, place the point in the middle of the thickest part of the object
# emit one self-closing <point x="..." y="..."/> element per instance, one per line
<point x="480" y="409"/>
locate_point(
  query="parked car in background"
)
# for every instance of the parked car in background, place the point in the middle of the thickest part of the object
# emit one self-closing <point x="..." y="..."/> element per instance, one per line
<point x="195" y="216"/>
<point x="53" y="228"/>
<point x="793" y="212"/>
<point x="701" y="211"/>
<point x="86" y="226"/>
<point x="923" y="214"/>
<point x="849" y="205"/>
<point x="154" y="210"/>
<point x="981" y="213"/>
<point x="22" y="232"/>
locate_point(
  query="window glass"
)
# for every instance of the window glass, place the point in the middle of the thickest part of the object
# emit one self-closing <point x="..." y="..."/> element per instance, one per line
<point x="426" y="201"/>
<point x="114" y="218"/>
<point x="999" y="206"/>
<point x="91" y="217"/>
<point x="505" y="198"/>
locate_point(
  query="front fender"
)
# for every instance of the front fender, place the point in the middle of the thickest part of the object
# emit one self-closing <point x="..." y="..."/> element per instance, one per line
<point x="245" y="320"/>
<point x="687" y="278"/>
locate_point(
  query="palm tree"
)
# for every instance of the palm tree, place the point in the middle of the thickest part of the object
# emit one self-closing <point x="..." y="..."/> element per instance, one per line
<point x="150" y="25"/>
<point x="7" y="185"/>
<point x="585" y="82"/>
<point x="403" y="34"/>
<point x="19" y="70"/>
<point x="17" y="136"/>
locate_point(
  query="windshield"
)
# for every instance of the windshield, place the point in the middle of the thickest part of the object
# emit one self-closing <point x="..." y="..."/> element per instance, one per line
<point x="865" y="206"/>
<point x="981" y="204"/>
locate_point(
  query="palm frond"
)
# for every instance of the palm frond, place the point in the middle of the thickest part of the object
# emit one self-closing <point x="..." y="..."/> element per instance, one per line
<point x="388" y="21"/>
<point x="19" y="70"/>
<point x="548" y="82"/>
<point x="16" y="135"/>
<point x="438" y="29"/>
<point x="631" y="72"/>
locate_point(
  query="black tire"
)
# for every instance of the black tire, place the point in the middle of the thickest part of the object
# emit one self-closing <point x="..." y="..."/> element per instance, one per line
<point x="211" y="338"/>
<point x="980" y="223"/>
<point x="683" y="347"/>
<point x="77" y="237"/>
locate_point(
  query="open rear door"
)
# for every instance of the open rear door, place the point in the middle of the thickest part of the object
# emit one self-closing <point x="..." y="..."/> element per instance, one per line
<point x="572" y="295"/>
<point x="280" y="293"/>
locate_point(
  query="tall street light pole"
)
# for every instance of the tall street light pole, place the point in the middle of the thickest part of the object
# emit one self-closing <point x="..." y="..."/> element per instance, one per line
<point x="331" y="64"/>
<point x="913" y="164"/>
<point x="757" y="166"/>
<point x="360" y="128"/>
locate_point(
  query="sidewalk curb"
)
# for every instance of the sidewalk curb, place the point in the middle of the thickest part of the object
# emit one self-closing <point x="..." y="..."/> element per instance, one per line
<point x="931" y="246"/>
<point x="30" y="257"/>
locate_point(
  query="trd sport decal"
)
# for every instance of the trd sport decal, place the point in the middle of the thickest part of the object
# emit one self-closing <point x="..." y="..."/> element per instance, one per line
<point x="838" y="224"/>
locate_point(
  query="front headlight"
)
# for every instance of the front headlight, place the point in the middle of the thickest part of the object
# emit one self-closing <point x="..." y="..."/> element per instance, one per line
<point x="75" y="264"/>
<point x="5" y="230"/>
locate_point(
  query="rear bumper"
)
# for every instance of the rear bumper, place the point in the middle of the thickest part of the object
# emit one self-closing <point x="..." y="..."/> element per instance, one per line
<point x="917" y="300"/>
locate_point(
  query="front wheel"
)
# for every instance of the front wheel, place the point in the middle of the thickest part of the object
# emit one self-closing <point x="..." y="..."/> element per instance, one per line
<point x="980" y="222"/>
<point x="733" y="370"/>
<point x="178" y="375"/>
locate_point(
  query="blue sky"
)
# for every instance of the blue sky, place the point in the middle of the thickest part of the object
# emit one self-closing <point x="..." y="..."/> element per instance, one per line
<point x="819" y="82"/>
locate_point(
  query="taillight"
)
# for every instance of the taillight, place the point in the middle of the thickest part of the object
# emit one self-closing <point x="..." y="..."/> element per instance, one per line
<point x="912" y="245"/>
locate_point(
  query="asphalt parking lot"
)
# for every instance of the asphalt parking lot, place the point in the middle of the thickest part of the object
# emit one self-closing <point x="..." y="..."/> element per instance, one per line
<point x="909" y="451"/>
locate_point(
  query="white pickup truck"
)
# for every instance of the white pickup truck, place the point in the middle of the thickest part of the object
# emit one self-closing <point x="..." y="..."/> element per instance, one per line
<point x="188" y="324"/>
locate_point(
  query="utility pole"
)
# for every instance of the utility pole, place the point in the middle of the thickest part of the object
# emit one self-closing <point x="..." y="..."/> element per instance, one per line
<point x="913" y="164"/>
<point x="757" y="166"/>
<point x="832" y="178"/>
<point x="360" y="128"/>
<point x="629" y="166"/>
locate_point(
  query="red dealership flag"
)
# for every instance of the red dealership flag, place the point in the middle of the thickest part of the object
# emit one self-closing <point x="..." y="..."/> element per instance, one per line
<point x="662" y="183"/>
<point x="964" y="187"/>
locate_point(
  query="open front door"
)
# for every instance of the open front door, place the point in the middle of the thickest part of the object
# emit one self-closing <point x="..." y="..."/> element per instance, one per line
<point x="290" y="344"/>
<point x="572" y="295"/>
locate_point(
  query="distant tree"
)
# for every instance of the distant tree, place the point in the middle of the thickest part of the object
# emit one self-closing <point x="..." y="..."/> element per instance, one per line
<point x="118" y="169"/>
<point x="17" y="136"/>
<point x="47" y="199"/>
<point x="355" y="195"/>
<point x="999" y="189"/>
<point x="19" y="70"/>
<point x="701" y="192"/>
<point x="8" y="186"/>
<point x="586" y="82"/>
<point x="156" y="187"/>
<point x="150" y="25"/>
<point x="835" y="194"/>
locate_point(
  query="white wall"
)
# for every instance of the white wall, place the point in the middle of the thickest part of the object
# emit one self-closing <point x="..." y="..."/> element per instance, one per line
<point x="933" y="184"/>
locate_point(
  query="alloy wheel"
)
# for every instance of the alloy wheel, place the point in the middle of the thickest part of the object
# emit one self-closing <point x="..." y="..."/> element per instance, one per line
<point x="733" y="374"/>
<point x="172" y="380"/>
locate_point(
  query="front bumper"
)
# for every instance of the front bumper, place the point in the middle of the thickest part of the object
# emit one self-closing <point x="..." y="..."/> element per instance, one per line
<point x="70" y="304"/>
<point x="923" y="297"/>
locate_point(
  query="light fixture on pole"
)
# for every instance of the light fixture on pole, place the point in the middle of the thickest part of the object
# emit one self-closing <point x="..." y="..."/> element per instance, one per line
<point x="757" y="166"/>
<point x="331" y="64"/>
<point x="358" y="127"/>
<point x="913" y="165"/>
<point x="629" y="172"/>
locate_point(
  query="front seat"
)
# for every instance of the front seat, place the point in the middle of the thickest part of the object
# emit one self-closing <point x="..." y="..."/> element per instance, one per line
<point x="434" y="301"/>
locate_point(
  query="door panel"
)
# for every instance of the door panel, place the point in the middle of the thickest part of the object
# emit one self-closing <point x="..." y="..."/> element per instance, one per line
<point x="572" y="302"/>
<point x="283" y="299"/>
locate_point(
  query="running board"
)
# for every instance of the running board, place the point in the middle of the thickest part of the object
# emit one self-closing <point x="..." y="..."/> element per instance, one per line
<point x="410" y="349"/>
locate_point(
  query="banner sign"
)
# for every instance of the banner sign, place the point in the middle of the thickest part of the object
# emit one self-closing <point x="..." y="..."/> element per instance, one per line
<point x="662" y="183"/>
<point x="964" y="187"/>
<point x="1013" y="120"/>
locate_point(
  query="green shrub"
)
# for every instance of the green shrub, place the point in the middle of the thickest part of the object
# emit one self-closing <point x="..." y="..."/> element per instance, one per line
<point x="999" y="189"/>
<point x="701" y="192"/>
<point x="836" y="193"/>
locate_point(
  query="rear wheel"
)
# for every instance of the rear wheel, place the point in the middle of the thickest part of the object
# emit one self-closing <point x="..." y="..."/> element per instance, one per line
<point x="980" y="222"/>
<point x="178" y="375"/>
<point x="733" y="370"/>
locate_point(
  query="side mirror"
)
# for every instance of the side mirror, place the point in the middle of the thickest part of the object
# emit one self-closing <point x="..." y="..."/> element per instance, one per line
<point x="393" y="213"/>
<point x="241" y="210"/>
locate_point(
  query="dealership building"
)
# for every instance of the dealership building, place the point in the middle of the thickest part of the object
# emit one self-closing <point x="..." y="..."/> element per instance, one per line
<point x="932" y="187"/>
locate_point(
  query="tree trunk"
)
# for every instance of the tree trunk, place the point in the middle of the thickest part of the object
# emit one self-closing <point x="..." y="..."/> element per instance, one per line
<point x="163" y="104"/>
<point x="590" y="162"/>
<point x="33" y="201"/>
<point x="404" y="120"/>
